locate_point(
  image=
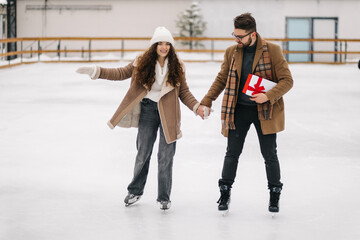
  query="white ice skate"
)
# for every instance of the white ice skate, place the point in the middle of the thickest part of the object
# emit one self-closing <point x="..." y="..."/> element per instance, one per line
<point x="131" y="199"/>
<point x="165" y="205"/>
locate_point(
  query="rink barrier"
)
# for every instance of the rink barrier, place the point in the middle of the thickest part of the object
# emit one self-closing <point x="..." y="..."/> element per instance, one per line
<point x="17" y="57"/>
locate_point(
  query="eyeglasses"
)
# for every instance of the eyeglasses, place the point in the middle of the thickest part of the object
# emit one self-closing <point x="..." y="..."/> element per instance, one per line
<point x="240" y="37"/>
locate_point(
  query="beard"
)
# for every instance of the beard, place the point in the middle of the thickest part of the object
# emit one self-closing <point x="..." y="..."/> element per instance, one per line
<point x="244" y="45"/>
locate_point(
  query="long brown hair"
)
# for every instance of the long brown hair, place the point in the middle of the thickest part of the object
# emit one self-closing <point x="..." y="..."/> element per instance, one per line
<point x="145" y="70"/>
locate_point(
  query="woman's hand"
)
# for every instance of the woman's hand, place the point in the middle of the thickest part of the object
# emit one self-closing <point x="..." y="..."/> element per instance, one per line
<point x="90" y="70"/>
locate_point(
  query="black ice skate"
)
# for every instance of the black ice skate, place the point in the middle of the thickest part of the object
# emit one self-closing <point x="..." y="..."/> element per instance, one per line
<point x="224" y="200"/>
<point x="274" y="199"/>
<point x="131" y="199"/>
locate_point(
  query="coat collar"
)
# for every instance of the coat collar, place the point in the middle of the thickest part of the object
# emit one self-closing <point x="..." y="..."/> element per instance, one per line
<point x="259" y="51"/>
<point x="239" y="52"/>
<point x="166" y="87"/>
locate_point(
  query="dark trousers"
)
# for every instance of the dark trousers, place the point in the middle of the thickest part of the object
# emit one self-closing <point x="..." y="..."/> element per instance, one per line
<point x="149" y="124"/>
<point x="244" y="117"/>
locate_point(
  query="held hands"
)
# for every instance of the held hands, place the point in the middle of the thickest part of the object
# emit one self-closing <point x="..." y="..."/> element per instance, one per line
<point x="204" y="112"/>
<point x="90" y="70"/>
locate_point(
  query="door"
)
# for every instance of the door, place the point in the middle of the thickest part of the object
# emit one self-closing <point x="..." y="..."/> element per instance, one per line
<point x="2" y="32"/>
<point x="1" y="26"/>
<point x="325" y="28"/>
<point x="298" y="28"/>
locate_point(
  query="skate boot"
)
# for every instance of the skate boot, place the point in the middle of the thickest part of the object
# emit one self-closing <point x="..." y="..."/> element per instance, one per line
<point x="131" y="199"/>
<point x="165" y="205"/>
<point x="274" y="199"/>
<point x="224" y="200"/>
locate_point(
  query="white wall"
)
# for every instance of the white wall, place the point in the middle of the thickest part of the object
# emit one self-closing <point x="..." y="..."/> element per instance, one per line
<point x="126" y="18"/>
<point x="140" y="17"/>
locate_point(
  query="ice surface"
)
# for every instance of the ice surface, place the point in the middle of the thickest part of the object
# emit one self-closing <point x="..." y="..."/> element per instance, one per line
<point x="64" y="173"/>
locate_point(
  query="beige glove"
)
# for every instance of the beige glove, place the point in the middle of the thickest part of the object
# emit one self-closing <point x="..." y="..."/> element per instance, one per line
<point x="92" y="71"/>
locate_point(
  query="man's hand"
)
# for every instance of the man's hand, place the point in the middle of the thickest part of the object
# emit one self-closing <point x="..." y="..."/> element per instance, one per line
<point x="201" y="110"/>
<point x="259" y="98"/>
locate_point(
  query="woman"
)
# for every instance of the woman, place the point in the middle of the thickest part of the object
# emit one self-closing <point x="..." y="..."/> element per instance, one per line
<point x="151" y="103"/>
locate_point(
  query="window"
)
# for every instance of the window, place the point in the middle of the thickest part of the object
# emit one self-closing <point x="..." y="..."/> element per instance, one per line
<point x="308" y="28"/>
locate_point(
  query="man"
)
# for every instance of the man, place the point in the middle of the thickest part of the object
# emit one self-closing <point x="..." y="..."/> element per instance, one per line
<point x="252" y="55"/>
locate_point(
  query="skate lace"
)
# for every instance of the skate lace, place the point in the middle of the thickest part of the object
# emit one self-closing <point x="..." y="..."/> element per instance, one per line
<point x="224" y="198"/>
<point x="274" y="198"/>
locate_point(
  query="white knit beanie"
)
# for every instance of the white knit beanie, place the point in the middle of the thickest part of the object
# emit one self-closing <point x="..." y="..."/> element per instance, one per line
<point x="161" y="34"/>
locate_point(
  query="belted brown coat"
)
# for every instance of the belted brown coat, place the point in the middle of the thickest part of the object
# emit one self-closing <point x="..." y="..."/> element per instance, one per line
<point x="280" y="74"/>
<point x="128" y="112"/>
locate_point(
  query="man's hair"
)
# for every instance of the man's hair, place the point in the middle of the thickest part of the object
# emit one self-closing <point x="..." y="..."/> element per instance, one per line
<point x="246" y="22"/>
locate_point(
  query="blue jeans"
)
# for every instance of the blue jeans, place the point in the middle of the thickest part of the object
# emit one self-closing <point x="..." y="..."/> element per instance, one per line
<point x="149" y="124"/>
<point x="244" y="117"/>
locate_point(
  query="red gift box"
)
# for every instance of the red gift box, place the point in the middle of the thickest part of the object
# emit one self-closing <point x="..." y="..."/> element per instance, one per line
<point x="255" y="84"/>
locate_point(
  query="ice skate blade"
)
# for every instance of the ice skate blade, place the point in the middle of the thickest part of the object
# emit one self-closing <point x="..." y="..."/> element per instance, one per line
<point x="224" y="213"/>
<point x="273" y="214"/>
<point x="129" y="204"/>
<point x="164" y="211"/>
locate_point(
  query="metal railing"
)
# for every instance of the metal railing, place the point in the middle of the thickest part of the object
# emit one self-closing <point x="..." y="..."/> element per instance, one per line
<point x="35" y="47"/>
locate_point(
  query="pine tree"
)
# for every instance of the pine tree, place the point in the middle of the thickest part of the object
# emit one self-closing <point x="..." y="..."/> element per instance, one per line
<point x="191" y="24"/>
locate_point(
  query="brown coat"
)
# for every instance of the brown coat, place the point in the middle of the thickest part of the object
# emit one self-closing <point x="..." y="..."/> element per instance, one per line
<point x="127" y="114"/>
<point x="280" y="74"/>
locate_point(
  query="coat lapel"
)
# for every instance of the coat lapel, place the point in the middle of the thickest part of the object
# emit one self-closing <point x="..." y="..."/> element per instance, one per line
<point x="166" y="87"/>
<point x="238" y="54"/>
<point x="258" y="53"/>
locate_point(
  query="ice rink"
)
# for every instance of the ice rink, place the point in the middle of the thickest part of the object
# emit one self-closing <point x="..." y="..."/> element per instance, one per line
<point x="64" y="173"/>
